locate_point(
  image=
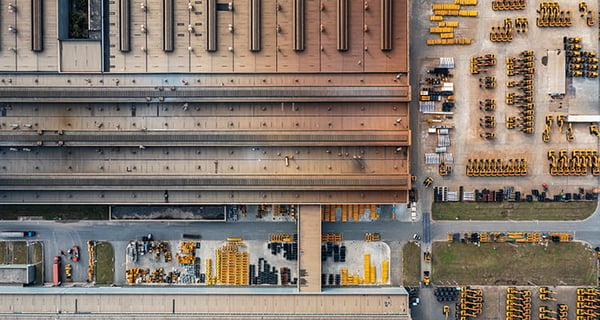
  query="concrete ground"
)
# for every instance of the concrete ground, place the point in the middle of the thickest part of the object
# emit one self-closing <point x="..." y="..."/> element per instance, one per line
<point x="494" y="306"/>
<point x="256" y="250"/>
<point x="581" y="98"/>
<point x="355" y="251"/>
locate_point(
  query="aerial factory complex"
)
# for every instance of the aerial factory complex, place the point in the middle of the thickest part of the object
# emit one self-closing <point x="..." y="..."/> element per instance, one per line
<point x="299" y="159"/>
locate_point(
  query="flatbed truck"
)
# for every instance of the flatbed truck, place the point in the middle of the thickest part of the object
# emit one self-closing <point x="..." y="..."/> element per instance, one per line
<point x="17" y="234"/>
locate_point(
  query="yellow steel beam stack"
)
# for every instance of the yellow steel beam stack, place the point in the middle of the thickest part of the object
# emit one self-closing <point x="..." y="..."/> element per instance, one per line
<point x="344" y="277"/>
<point x="466" y="2"/>
<point x="367" y="266"/>
<point x="373" y="275"/>
<point x="384" y="271"/>
<point x="355" y="213"/>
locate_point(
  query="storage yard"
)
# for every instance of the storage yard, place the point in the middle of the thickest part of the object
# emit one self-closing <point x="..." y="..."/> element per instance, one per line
<point x="516" y="302"/>
<point x="495" y="105"/>
<point x="229" y="262"/>
<point x="269" y="157"/>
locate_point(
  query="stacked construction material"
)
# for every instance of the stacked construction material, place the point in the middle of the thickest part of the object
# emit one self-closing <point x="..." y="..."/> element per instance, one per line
<point x="232" y="265"/>
<point x="446" y="29"/>
<point x="349" y="212"/>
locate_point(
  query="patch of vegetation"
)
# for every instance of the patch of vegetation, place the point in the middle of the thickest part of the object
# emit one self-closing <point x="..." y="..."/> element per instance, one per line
<point x="563" y="263"/>
<point x="54" y="212"/>
<point x="411" y="264"/>
<point x="105" y="263"/>
<point x="575" y="210"/>
<point x="20" y="252"/>
<point x="78" y="19"/>
<point x="37" y="260"/>
<point x="3" y="254"/>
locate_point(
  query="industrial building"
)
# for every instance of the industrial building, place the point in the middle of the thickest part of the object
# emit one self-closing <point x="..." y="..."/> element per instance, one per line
<point x="208" y="102"/>
<point x="205" y="102"/>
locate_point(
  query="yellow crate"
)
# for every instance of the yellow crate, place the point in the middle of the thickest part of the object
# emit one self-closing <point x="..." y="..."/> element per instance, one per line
<point x="447" y="35"/>
<point x="452" y="24"/>
<point x="436" y="18"/>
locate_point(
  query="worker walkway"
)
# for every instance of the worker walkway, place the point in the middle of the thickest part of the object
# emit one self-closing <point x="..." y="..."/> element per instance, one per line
<point x="309" y="242"/>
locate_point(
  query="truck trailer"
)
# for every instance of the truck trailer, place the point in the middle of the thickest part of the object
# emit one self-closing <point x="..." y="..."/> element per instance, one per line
<point x="56" y="271"/>
<point x="17" y="234"/>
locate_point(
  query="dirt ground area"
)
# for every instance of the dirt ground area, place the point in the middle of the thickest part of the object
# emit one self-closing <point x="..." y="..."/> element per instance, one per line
<point x="207" y="250"/>
<point x="581" y="98"/>
<point x="569" y="263"/>
<point x="355" y="252"/>
<point x="411" y="264"/>
<point x="513" y="210"/>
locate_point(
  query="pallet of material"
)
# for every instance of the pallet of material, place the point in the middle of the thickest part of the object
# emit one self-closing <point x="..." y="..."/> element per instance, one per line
<point x="431" y="42"/>
<point x="450" y="24"/>
<point x="446" y="12"/>
<point x="466" y="2"/>
<point x="467" y="13"/>
<point x="445" y="6"/>
<point x="440" y="30"/>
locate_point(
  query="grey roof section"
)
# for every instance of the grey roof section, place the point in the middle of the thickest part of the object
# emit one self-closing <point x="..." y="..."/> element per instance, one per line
<point x="191" y="290"/>
<point x="17" y="274"/>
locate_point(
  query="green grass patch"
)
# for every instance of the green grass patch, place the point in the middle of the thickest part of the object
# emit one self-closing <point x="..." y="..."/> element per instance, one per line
<point x="54" y="212"/>
<point x="575" y="210"/>
<point x="105" y="263"/>
<point x="411" y="264"/>
<point x="20" y="252"/>
<point x="569" y="263"/>
<point x="3" y="254"/>
<point x="37" y="260"/>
